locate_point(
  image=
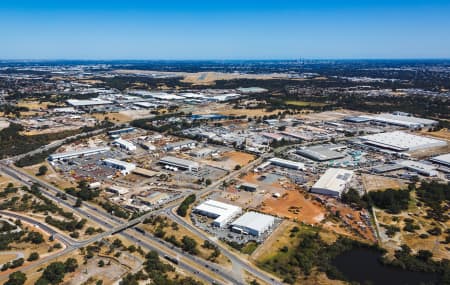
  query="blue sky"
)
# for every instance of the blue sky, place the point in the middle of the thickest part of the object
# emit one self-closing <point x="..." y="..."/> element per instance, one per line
<point x="217" y="29"/>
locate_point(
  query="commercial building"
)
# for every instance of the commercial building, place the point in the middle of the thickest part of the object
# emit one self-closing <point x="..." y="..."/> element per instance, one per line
<point x="253" y="223"/>
<point x="117" y="190"/>
<point x="222" y="213"/>
<point x="442" y="159"/>
<point x="401" y="119"/>
<point x="153" y="199"/>
<point x="287" y="163"/>
<point x="89" y="102"/>
<point x="180" y="163"/>
<point x="419" y="167"/>
<point x="124" y="144"/>
<point x="77" y="153"/>
<point x="124" y="167"/>
<point x="401" y="141"/>
<point x="321" y="152"/>
<point x="202" y="152"/>
<point x="180" y="145"/>
<point x="333" y="182"/>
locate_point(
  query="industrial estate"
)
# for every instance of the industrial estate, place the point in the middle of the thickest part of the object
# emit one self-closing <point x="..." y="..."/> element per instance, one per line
<point x="131" y="173"/>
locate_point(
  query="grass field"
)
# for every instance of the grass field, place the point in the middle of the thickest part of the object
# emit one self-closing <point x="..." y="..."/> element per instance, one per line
<point x="304" y="103"/>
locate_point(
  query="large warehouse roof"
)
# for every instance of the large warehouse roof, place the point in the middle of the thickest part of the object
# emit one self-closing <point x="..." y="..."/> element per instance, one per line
<point x="334" y="180"/>
<point x="320" y="152"/>
<point x="401" y="141"/>
<point x="254" y="221"/>
<point x="222" y="212"/>
<point x="76" y="153"/>
<point x="400" y="120"/>
<point x="442" y="159"/>
<point x="89" y="102"/>
<point x="179" y="162"/>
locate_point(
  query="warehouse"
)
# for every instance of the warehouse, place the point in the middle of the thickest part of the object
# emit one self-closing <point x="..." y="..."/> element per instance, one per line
<point x="180" y="163"/>
<point x="124" y="144"/>
<point x="124" y="167"/>
<point x="333" y="182"/>
<point x="287" y="163"/>
<point x="401" y="120"/>
<point x="117" y="190"/>
<point x="88" y="102"/>
<point x="321" y="152"/>
<point x="250" y="187"/>
<point x="77" y="153"/>
<point x="253" y="223"/>
<point x="401" y="141"/>
<point x="154" y="198"/>
<point x="419" y="167"/>
<point x="121" y="131"/>
<point x="222" y="213"/>
<point x="180" y="145"/>
<point x="442" y="159"/>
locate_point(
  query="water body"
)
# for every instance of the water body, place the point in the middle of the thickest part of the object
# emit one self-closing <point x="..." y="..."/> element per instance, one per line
<point x="362" y="265"/>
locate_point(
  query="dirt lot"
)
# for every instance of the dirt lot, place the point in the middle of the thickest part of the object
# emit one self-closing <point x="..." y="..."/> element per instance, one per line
<point x="51" y="176"/>
<point x="230" y="159"/>
<point x="376" y="183"/>
<point x="293" y="205"/>
<point x="442" y="134"/>
<point x="113" y="117"/>
<point x="331" y="115"/>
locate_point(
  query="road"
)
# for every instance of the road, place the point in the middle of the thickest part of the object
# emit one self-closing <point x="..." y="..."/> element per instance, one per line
<point x="116" y="225"/>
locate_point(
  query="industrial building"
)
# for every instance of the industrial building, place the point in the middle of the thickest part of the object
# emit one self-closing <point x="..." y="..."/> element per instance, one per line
<point x="117" y="190"/>
<point x="154" y="198"/>
<point x="400" y="119"/>
<point x="442" y="159"/>
<point x="124" y="144"/>
<point x="287" y="163"/>
<point x="333" y="182"/>
<point x="121" y="131"/>
<point x="180" y="145"/>
<point x="400" y="141"/>
<point x="77" y="153"/>
<point x="124" y="167"/>
<point x="180" y="163"/>
<point x="250" y="187"/>
<point x="419" y="167"/>
<point x="222" y="213"/>
<point x="321" y="152"/>
<point x="253" y="223"/>
<point x="202" y="152"/>
<point x="88" y="102"/>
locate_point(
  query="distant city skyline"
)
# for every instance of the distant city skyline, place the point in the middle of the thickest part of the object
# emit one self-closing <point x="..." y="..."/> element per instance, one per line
<point x="221" y="30"/>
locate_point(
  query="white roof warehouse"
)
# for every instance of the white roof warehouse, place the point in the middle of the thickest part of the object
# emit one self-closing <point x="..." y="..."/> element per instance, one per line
<point x="222" y="213"/>
<point x="401" y="141"/>
<point x="253" y="223"/>
<point x="333" y="182"/>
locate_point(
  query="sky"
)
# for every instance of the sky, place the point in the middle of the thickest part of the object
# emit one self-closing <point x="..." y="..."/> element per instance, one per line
<point x="218" y="29"/>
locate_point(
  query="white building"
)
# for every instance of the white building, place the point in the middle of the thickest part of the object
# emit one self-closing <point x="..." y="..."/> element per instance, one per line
<point x="419" y="167"/>
<point x="180" y="145"/>
<point x="124" y="144"/>
<point x="399" y="119"/>
<point x="89" y="102"/>
<point x="442" y="159"/>
<point x="180" y="163"/>
<point x="77" y="153"/>
<point x="222" y="213"/>
<point x="333" y="182"/>
<point x="124" y="167"/>
<point x="253" y="223"/>
<point x="401" y="141"/>
<point x="117" y="190"/>
<point x="287" y="163"/>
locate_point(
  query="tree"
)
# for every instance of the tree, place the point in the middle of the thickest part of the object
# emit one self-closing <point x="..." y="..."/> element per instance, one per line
<point x="54" y="273"/>
<point x="16" y="278"/>
<point x="42" y="170"/>
<point x="33" y="256"/>
<point x="237" y="167"/>
<point x="78" y="203"/>
<point x="208" y="182"/>
<point x="189" y="245"/>
<point x="70" y="265"/>
<point x="35" y="237"/>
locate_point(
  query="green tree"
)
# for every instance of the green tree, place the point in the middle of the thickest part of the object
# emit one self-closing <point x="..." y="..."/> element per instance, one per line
<point x="42" y="170"/>
<point x="16" y="278"/>
<point x="33" y="256"/>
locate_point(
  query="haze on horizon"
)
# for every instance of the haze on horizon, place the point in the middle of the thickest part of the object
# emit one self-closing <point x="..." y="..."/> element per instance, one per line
<point x="174" y="29"/>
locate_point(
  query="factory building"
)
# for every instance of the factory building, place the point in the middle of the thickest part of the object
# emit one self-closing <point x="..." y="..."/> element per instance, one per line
<point x="117" y="190"/>
<point x="321" y="152"/>
<point x="253" y="223"/>
<point x="442" y="159"/>
<point x="180" y="163"/>
<point x="419" y="167"/>
<point x="124" y="167"/>
<point x="153" y="199"/>
<point x="401" y="119"/>
<point x="333" y="182"/>
<point x="401" y="141"/>
<point x="222" y="213"/>
<point x="121" y="131"/>
<point x="124" y="144"/>
<point x="250" y="187"/>
<point x="180" y="145"/>
<point x="88" y="102"/>
<point x="77" y="153"/>
<point x="287" y="163"/>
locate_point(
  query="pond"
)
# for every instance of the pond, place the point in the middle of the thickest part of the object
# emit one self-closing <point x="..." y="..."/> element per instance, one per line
<point x="362" y="265"/>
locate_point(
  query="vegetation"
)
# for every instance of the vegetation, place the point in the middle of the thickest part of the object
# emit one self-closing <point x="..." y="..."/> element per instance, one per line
<point x="436" y="196"/>
<point x="184" y="206"/>
<point x="16" y="278"/>
<point x="55" y="272"/>
<point x="393" y="201"/>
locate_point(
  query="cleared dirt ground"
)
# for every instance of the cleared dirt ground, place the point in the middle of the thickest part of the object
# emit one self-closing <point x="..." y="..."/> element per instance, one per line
<point x="376" y="183"/>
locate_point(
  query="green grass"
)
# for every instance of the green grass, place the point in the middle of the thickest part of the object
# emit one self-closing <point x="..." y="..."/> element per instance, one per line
<point x="249" y="247"/>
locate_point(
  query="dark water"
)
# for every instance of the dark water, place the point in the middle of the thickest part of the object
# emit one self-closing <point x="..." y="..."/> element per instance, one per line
<point x="362" y="265"/>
